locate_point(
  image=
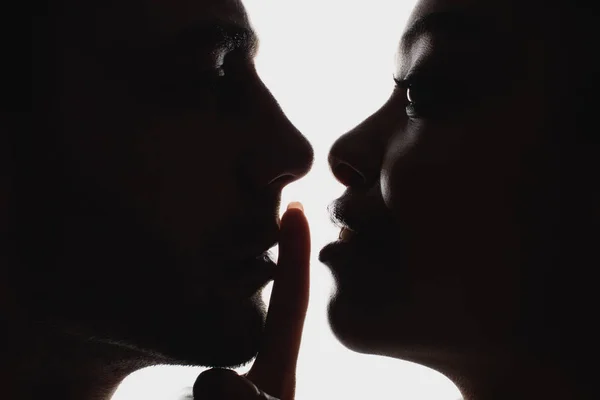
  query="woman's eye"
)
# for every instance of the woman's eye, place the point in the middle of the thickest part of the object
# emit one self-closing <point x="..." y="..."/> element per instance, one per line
<point x="219" y="67"/>
<point x="422" y="97"/>
<point x="427" y="97"/>
<point x="414" y="108"/>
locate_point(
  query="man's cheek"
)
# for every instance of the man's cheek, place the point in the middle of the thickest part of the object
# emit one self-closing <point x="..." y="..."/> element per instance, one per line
<point x="191" y="214"/>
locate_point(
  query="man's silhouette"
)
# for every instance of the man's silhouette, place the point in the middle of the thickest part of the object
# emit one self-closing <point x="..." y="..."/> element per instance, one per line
<point x="143" y="199"/>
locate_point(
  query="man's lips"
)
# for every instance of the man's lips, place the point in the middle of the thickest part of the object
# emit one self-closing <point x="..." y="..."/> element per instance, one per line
<point x="228" y="281"/>
<point x="249" y="267"/>
<point x="247" y="277"/>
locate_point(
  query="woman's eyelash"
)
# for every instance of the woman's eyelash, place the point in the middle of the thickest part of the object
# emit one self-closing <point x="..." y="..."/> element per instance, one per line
<point x="405" y="85"/>
<point x="401" y="83"/>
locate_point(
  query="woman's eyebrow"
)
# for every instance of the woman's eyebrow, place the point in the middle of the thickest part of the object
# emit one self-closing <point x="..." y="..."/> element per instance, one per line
<point x="450" y="24"/>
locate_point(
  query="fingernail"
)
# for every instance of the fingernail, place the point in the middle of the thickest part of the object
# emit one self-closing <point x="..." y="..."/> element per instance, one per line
<point x="296" y="204"/>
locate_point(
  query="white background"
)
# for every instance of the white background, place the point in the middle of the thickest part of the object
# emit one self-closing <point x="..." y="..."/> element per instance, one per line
<point x="329" y="63"/>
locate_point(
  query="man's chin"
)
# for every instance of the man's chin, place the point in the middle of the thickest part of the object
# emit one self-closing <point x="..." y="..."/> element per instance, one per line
<point x="213" y="335"/>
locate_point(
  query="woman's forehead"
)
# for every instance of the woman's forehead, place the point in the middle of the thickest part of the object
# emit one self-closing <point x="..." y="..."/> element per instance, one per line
<point x="493" y="21"/>
<point x="499" y="9"/>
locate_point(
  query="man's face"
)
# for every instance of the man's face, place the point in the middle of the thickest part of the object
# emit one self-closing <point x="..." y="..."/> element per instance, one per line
<point x="175" y="155"/>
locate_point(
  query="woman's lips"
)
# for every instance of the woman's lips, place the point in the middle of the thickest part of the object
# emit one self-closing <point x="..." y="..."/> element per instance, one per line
<point x="346" y="234"/>
<point x="352" y="242"/>
<point x="353" y="248"/>
<point x="341" y="254"/>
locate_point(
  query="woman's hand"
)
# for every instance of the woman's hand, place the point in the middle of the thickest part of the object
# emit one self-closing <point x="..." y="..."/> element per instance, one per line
<point x="273" y="374"/>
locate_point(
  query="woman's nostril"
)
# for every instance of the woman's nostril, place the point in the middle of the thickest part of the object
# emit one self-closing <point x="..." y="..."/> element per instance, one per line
<point x="348" y="175"/>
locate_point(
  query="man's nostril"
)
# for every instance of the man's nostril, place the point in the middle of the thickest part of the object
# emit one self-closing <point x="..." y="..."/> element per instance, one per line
<point x="282" y="180"/>
<point x="348" y="175"/>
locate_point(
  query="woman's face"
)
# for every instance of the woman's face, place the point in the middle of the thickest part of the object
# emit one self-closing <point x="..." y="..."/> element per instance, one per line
<point x="433" y="181"/>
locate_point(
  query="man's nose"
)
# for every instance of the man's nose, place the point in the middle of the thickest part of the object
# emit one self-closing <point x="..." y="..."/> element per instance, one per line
<point x="281" y="154"/>
<point x="290" y="159"/>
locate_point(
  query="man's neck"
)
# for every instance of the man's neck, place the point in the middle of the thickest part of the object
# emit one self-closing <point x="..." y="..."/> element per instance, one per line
<point x="48" y="364"/>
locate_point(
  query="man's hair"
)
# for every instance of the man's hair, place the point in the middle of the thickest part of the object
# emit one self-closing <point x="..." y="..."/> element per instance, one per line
<point x="33" y="135"/>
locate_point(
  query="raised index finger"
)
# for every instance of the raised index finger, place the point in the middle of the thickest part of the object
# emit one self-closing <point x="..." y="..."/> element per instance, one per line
<point x="274" y="370"/>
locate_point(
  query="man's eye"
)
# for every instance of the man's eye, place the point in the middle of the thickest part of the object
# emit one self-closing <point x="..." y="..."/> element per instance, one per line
<point x="190" y="87"/>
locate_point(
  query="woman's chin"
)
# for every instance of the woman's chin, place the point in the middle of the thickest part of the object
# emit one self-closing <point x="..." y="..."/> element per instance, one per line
<point x="390" y="328"/>
<point x="361" y="325"/>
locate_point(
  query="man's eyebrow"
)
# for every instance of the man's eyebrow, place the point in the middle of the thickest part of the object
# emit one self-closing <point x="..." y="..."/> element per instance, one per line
<point x="453" y="24"/>
<point x="217" y="36"/>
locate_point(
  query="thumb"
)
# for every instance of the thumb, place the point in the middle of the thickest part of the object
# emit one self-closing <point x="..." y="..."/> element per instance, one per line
<point x="225" y="384"/>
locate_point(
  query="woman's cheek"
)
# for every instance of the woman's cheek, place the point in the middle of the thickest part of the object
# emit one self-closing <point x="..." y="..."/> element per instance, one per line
<point x="396" y="164"/>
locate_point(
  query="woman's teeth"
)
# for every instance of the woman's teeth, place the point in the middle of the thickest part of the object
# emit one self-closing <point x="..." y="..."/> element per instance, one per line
<point x="346" y="234"/>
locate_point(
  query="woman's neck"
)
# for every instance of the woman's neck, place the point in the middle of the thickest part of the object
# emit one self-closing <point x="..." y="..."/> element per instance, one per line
<point x="517" y="380"/>
<point x="504" y="376"/>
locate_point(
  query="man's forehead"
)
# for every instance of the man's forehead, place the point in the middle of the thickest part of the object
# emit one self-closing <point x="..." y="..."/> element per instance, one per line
<point x="142" y="22"/>
<point x="172" y="15"/>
